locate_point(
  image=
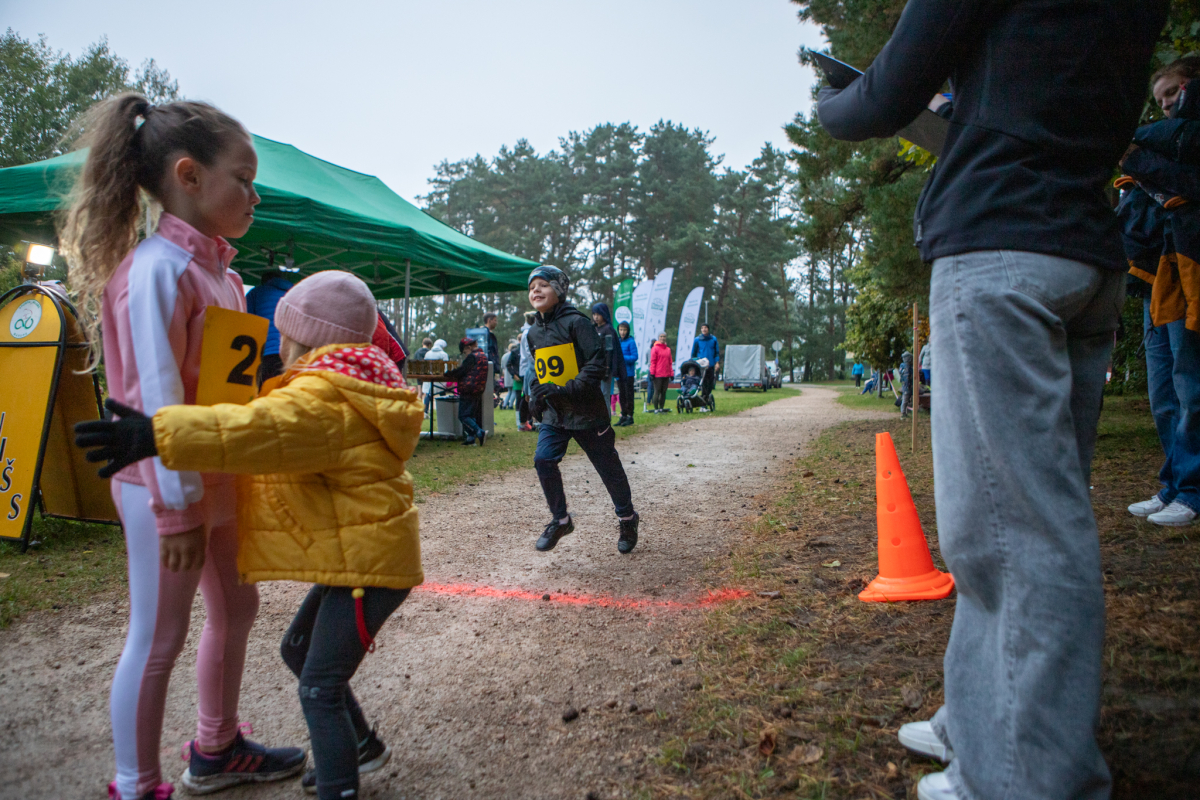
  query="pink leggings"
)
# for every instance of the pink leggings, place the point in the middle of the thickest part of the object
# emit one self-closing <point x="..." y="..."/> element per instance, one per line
<point x="160" y="610"/>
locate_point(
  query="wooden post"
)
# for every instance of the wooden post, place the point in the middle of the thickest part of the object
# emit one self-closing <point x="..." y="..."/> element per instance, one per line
<point x="914" y="377"/>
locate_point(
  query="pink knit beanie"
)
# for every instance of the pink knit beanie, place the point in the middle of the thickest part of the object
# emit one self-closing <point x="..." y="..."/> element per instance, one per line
<point x="327" y="308"/>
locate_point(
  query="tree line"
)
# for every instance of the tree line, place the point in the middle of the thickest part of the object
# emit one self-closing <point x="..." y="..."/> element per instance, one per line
<point x="613" y="202"/>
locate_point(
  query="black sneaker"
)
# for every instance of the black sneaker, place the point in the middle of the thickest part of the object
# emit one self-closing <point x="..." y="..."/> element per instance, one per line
<point x="372" y="754"/>
<point x="628" y="538"/>
<point x="244" y="762"/>
<point x="468" y="442"/>
<point x="554" y="531"/>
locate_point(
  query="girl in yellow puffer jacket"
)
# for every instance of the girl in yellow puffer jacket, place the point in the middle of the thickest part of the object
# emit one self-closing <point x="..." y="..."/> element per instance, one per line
<point x="323" y="497"/>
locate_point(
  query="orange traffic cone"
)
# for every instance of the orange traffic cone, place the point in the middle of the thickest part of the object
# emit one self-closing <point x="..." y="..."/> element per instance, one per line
<point x="906" y="570"/>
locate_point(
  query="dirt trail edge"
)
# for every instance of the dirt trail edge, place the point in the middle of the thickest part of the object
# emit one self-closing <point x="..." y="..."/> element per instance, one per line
<point x="473" y="675"/>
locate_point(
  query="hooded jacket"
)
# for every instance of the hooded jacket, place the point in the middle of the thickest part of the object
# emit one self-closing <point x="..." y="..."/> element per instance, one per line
<point x="1160" y="211"/>
<point x="661" y="365"/>
<point x="706" y="346"/>
<point x="579" y="405"/>
<point x="437" y="352"/>
<point x="323" y="494"/>
<point x="630" y="352"/>
<point x="611" y="342"/>
<point x="1046" y="96"/>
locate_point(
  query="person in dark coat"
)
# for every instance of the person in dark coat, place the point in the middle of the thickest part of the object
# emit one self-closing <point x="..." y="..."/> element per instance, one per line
<point x="471" y="376"/>
<point x="602" y="318"/>
<point x="1161" y="227"/>
<point x="1025" y="295"/>
<point x="569" y="363"/>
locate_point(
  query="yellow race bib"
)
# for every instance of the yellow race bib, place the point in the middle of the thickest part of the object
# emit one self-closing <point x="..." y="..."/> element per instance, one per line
<point x="229" y="356"/>
<point x="555" y="364"/>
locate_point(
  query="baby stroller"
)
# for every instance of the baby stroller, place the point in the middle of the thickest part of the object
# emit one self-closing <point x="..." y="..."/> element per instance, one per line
<point x="689" y="398"/>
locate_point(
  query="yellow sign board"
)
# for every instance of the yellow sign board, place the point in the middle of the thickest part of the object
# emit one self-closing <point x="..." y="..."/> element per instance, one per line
<point x="41" y="348"/>
<point x="69" y="486"/>
<point x="555" y="364"/>
<point x="230" y="353"/>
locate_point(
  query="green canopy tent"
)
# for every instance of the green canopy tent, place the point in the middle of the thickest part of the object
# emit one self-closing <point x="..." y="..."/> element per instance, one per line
<point x="315" y="214"/>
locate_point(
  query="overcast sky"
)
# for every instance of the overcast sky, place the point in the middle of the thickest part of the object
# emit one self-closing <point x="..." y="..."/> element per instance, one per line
<point x="393" y="88"/>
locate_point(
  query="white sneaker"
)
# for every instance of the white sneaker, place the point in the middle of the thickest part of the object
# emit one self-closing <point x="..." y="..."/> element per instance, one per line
<point x="1175" y="515"/>
<point x="920" y="738"/>
<point x="1147" y="507"/>
<point x="936" y="786"/>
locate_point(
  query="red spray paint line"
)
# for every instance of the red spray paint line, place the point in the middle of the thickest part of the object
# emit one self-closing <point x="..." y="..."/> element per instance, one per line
<point x="597" y="600"/>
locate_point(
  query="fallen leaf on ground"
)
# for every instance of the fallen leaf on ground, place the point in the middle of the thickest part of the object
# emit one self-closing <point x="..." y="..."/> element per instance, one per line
<point x="766" y="744"/>
<point x="3" y="574"/>
<point x="832" y="564"/>
<point x="912" y="697"/>
<point x="806" y="754"/>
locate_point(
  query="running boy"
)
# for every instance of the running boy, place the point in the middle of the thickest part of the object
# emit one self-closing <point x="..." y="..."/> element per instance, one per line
<point x="569" y="363"/>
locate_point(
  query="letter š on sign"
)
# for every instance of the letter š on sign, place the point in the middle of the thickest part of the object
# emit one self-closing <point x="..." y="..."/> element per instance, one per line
<point x="6" y="469"/>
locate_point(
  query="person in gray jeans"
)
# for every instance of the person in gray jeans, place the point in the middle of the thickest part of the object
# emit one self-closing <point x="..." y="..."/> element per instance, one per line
<point x="1027" y="283"/>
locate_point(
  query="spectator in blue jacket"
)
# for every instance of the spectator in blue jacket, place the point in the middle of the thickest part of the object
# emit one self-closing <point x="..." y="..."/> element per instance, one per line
<point x="706" y="346"/>
<point x="261" y="301"/>
<point x="629" y="352"/>
<point x="857" y="372"/>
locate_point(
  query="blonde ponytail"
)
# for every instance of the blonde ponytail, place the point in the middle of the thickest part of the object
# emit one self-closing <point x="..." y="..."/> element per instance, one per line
<point x="129" y="143"/>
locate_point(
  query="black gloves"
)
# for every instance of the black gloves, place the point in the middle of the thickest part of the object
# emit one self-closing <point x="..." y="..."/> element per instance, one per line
<point x="542" y="393"/>
<point x="120" y="442"/>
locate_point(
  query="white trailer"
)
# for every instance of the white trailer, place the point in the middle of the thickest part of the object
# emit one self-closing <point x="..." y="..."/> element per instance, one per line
<point x="745" y="367"/>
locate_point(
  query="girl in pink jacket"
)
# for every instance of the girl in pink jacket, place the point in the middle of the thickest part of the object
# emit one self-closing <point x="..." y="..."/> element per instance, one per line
<point x="149" y="302"/>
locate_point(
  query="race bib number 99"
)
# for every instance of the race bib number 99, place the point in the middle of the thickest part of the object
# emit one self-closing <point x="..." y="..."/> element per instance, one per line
<point x="555" y="364"/>
<point x="229" y="356"/>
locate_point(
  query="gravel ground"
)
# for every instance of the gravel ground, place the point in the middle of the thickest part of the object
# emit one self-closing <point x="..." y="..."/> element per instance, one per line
<point x="473" y="675"/>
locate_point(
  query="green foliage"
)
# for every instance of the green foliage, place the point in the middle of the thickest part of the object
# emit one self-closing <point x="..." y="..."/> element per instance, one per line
<point x="1129" y="355"/>
<point x="880" y="327"/>
<point x="42" y="91"/>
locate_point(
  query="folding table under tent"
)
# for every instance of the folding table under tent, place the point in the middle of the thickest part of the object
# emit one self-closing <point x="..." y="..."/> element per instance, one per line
<point x="318" y="214"/>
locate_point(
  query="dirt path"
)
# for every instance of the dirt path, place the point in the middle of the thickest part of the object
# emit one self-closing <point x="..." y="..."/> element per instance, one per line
<point x="474" y="673"/>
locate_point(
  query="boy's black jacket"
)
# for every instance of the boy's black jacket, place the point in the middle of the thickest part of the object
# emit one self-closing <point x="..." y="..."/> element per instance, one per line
<point x="580" y="405"/>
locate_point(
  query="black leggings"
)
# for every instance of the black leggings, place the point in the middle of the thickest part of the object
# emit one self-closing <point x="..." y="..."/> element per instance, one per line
<point x="660" y="390"/>
<point x="625" y="390"/>
<point x="323" y="649"/>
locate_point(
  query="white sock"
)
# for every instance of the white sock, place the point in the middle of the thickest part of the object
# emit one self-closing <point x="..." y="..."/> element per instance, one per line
<point x="565" y="520"/>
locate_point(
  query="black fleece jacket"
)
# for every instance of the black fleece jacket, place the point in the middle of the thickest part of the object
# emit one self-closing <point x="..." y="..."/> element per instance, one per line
<point x="578" y="405"/>
<point x="1046" y="96"/>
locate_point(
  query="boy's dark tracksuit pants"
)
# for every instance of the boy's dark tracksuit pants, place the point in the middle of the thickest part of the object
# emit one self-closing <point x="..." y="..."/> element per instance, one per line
<point x="600" y="445"/>
<point x="323" y="649"/>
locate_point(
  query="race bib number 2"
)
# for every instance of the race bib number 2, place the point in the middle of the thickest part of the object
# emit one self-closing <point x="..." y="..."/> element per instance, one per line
<point x="229" y="356"/>
<point x="555" y="364"/>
